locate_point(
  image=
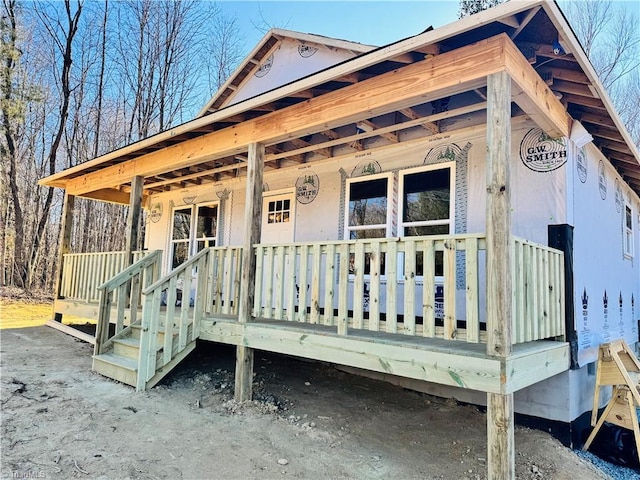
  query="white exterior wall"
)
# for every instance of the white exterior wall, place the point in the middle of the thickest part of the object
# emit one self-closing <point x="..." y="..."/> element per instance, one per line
<point x="598" y="235"/>
<point x="288" y="64"/>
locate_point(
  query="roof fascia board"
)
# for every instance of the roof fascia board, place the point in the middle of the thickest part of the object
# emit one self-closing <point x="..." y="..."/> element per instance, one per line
<point x="419" y="82"/>
<point x="328" y="41"/>
<point x="237" y="71"/>
<point x="561" y="24"/>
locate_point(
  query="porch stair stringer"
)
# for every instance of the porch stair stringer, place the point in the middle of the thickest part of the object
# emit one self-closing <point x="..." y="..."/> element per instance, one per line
<point x="120" y="361"/>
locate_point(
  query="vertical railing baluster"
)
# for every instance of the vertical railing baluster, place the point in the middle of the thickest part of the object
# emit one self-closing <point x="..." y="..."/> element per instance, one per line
<point x="409" y="303"/>
<point x="329" y="283"/>
<point x="428" y="289"/>
<point x="302" y="285"/>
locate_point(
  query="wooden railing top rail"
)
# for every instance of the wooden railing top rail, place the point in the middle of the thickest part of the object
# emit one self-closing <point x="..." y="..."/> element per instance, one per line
<point x="437" y="239"/>
<point x="113" y="252"/>
<point x="537" y="245"/>
<point x="129" y="272"/>
<point x="178" y="270"/>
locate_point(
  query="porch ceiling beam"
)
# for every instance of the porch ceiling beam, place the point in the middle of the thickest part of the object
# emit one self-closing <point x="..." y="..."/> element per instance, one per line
<point x="533" y="96"/>
<point x="413" y="115"/>
<point x="626" y="158"/>
<point x="212" y="171"/>
<point x="443" y="75"/>
<point x="111" y="195"/>
<point x="590" y="102"/>
<point x="616" y="146"/>
<point x="392" y="137"/>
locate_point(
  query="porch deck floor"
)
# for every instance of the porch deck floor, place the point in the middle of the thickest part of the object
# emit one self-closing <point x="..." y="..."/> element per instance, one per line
<point x="447" y="362"/>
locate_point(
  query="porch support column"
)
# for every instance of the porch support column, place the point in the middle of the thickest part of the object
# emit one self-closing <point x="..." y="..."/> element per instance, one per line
<point x="252" y="227"/>
<point x="133" y="219"/>
<point x="64" y="246"/>
<point x="500" y="427"/>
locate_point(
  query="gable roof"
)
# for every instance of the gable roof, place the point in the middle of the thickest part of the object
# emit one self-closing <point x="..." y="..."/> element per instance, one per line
<point x="533" y="25"/>
<point x="270" y="42"/>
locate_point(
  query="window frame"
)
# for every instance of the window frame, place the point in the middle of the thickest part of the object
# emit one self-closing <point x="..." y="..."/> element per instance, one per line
<point x="389" y="213"/>
<point x="402" y="174"/>
<point x="193" y="239"/>
<point x="627" y="231"/>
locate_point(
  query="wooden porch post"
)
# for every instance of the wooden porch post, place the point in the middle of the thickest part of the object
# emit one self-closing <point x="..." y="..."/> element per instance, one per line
<point x="133" y="218"/>
<point x="252" y="227"/>
<point x="500" y="427"/>
<point x="64" y="246"/>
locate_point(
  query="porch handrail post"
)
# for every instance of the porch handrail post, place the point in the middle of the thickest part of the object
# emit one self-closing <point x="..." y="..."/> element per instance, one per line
<point x="252" y="231"/>
<point x="500" y="412"/>
<point x="64" y="247"/>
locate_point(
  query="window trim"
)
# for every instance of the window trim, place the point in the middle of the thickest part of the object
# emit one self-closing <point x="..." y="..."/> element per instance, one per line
<point x="627" y="232"/>
<point x="389" y="215"/>
<point x="452" y="197"/>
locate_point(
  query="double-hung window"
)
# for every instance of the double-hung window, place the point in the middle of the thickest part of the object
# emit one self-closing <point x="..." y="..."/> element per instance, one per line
<point x="368" y="206"/>
<point x="628" y="232"/>
<point x="194" y="228"/>
<point x="426" y="205"/>
<point x="368" y="216"/>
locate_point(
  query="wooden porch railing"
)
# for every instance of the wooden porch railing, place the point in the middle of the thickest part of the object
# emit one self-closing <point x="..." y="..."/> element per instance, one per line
<point x="421" y="286"/>
<point x="427" y="286"/>
<point x="405" y="286"/>
<point x="126" y="287"/>
<point x="538" y="292"/>
<point x="83" y="273"/>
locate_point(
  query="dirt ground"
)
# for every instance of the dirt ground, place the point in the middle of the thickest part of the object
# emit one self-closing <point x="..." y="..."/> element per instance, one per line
<point x="308" y="420"/>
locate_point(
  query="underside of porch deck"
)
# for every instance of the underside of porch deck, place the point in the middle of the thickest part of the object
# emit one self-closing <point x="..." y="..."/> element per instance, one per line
<point x="454" y="363"/>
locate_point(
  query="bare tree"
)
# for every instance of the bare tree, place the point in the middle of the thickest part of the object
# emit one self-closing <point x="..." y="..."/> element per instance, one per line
<point x="610" y="37"/>
<point x="469" y="7"/>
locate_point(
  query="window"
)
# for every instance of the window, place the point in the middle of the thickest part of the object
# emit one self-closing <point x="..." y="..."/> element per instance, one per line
<point x="194" y="228"/>
<point x="368" y="212"/>
<point x="367" y="203"/>
<point x="279" y="211"/>
<point x="426" y="205"/>
<point x="628" y="232"/>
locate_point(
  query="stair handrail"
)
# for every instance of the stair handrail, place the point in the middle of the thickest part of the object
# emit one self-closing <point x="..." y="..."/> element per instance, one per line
<point x="151" y="318"/>
<point x="120" y="281"/>
<point x="176" y="271"/>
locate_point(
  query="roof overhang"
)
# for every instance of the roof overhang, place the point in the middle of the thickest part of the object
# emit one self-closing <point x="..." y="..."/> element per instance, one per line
<point x="397" y="90"/>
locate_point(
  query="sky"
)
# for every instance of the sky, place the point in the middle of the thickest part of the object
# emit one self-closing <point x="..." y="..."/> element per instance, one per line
<point x="370" y="22"/>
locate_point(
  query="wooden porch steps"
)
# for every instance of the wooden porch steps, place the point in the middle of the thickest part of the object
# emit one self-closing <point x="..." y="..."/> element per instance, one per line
<point x="121" y="361"/>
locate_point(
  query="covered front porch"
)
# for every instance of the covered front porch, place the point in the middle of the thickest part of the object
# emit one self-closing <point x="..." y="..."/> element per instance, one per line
<point x="413" y="307"/>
